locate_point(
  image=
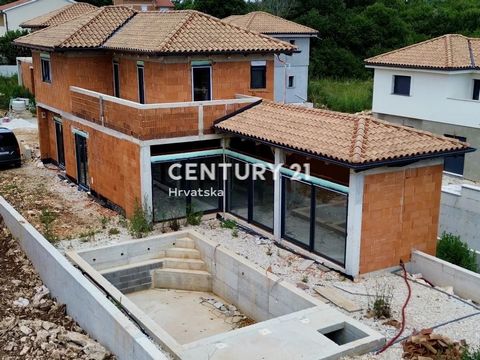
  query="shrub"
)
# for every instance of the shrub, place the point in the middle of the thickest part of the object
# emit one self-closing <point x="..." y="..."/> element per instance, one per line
<point x="113" y="231"/>
<point x="9" y="89"/>
<point x="471" y="354"/>
<point x="140" y="223"/>
<point x="228" y="224"/>
<point x="450" y="248"/>
<point x="380" y="303"/>
<point x="174" y="224"/>
<point x="193" y="217"/>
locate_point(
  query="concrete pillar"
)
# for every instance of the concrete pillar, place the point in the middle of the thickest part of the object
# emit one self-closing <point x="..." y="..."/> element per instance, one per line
<point x="277" y="195"/>
<point x="225" y="144"/>
<point x="146" y="179"/>
<point x="354" y="223"/>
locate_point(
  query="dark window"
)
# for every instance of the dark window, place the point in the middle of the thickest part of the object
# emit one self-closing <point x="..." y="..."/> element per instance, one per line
<point x="141" y="84"/>
<point x="116" y="80"/>
<point x="476" y="89"/>
<point x="82" y="160"/>
<point x="455" y="163"/>
<point x="202" y="87"/>
<point x="291" y="81"/>
<point x="46" y="69"/>
<point x="60" y="145"/>
<point x="401" y="85"/>
<point x="258" y="77"/>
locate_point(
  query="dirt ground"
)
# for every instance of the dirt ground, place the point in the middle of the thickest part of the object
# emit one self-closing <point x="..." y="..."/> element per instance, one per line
<point x="47" y="201"/>
<point x="32" y="325"/>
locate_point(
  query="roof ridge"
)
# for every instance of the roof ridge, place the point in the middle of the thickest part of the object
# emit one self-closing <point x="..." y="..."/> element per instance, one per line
<point x="448" y="50"/>
<point x="181" y="25"/>
<point x="470" y="51"/>
<point x="254" y="14"/>
<point x="359" y="138"/>
<point x="409" y="47"/>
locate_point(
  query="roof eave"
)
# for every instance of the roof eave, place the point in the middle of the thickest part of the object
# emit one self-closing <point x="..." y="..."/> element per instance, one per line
<point x="405" y="66"/>
<point x="347" y="164"/>
<point x="188" y="53"/>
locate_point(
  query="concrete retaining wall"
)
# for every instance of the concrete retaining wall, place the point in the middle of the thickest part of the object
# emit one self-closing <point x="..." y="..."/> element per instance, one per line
<point x="466" y="284"/>
<point x="460" y="211"/>
<point x="85" y="303"/>
<point x="257" y="293"/>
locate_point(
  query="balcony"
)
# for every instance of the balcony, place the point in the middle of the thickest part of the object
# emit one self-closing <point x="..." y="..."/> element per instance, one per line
<point x="152" y="121"/>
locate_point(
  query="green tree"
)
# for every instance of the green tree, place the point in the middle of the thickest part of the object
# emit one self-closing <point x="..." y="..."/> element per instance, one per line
<point x="8" y="51"/>
<point x="221" y="8"/>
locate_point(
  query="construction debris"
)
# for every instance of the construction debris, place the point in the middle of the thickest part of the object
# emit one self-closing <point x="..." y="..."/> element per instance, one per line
<point x="229" y="312"/>
<point x="428" y="345"/>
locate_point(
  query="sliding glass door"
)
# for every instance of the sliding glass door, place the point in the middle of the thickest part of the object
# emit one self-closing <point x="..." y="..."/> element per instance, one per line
<point x="315" y="218"/>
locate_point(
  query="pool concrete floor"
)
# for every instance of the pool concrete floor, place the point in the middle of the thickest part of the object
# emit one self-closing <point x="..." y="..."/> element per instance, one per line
<point x="182" y="314"/>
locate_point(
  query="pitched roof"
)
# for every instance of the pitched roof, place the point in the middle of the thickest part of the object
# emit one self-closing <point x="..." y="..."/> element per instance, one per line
<point x="447" y="52"/>
<point x="90" y="30"/>
<point x="350" y="139"/>
<point x="59" y="16"/>
<point x="189" y="32"/>
<point x="266" y="23"/>
<point x="171" y="32"/>
<point x="13" y="4"/>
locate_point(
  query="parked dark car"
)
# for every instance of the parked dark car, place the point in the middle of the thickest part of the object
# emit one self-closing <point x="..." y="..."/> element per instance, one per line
<point x="9" y="148"/>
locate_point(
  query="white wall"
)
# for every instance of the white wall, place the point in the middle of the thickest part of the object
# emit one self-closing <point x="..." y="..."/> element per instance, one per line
<point x="460" y="213"/>
<point x="17" y="15"/>
<point x="297" y="66"/>
<point x="436" y="96"/>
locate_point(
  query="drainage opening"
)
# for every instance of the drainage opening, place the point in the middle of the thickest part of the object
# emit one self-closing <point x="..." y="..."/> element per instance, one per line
<point x="343" y="333"/>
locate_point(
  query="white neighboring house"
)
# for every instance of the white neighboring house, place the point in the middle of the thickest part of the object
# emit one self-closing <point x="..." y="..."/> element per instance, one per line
<point x="291" y="71"/>
<point x="17" y="12"/>
<point x="435" y="86"/>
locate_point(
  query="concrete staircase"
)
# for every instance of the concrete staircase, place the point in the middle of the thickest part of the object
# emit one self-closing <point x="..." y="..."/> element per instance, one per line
<point x="183" y="269"/>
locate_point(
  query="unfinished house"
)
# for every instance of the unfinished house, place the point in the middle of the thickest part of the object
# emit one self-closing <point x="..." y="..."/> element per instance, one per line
<point x="124" y="95"/>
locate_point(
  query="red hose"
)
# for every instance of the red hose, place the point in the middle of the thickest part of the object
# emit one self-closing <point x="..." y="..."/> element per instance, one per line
<point x="392" y="340"/>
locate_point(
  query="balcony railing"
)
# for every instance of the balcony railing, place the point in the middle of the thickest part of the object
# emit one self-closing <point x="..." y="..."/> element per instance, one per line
<point x="153" y="121"/>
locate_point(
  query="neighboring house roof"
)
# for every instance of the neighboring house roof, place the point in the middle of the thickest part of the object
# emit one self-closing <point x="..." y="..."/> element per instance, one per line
<point x="13" y="4"/>
<point x="59" y="16"/>
<point x="355" y="140"/>
<point x="266" y="23"/>
<point x="172" y="32"/>
<point x="447" y="52"/>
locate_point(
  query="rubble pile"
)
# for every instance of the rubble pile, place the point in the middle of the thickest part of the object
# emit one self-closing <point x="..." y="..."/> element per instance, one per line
<point x="229" y="312"/>
<point x="427" y="345"/>
<point x="32" y="325"/>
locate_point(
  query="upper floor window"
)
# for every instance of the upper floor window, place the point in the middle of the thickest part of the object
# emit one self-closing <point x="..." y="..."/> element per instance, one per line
<point x="46" y="68"/>
<point x="141" y="82"/>
<point x="401" y="85"/>
<point x="291" y="81"/>
<point x="116" y="79"/>
<point x="202" y="82"/>
<point x="476" y="89"/>
<point x="258" y="75"/>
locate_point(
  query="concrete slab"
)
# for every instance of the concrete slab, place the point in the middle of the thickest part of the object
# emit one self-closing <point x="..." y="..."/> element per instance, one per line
<point x="181" y="313"/>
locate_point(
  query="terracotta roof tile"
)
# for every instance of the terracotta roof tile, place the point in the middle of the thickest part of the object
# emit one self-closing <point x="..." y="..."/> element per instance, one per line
<point x="171" y="32"/>
<point x="189" y="32"/>
<point x="447" y="52"/>
<point x="348" y="138"/>
<point x="90" y="30"/>
<point x="266" y="23"/>
<point x="59" y="16"/>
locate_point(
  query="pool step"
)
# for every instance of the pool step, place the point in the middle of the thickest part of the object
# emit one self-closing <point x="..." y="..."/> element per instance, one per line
<point x="185" y="264"/>
<point x="182" y="253"/>
<point x="185" y="243"/>
<point x="180" y="279"/>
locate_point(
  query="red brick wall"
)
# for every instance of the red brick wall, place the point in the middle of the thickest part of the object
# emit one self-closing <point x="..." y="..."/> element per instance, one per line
<point x="113" y="164"/>
<point x="400" y="213"/>
<point x="93" y="72"/>
<point x="27" y="76"/>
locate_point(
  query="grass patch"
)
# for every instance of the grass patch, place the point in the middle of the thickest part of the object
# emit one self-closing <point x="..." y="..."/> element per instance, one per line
<point x="140" y="225"/>
<point x="342" y="95"/>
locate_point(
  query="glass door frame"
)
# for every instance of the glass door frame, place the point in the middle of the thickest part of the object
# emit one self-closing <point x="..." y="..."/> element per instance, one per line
<point x="86" y="185"/>
<point x="313" y="203"/>
<point x="59" y="145"/>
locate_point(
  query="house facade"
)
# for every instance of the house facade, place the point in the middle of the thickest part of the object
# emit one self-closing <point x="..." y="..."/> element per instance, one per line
<point x="17" y="12"/>
<point x="142" y="5"/>
<point x="291" y="71"/>
<point x="433" y="86"/>
<point x="131" y="113"/>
